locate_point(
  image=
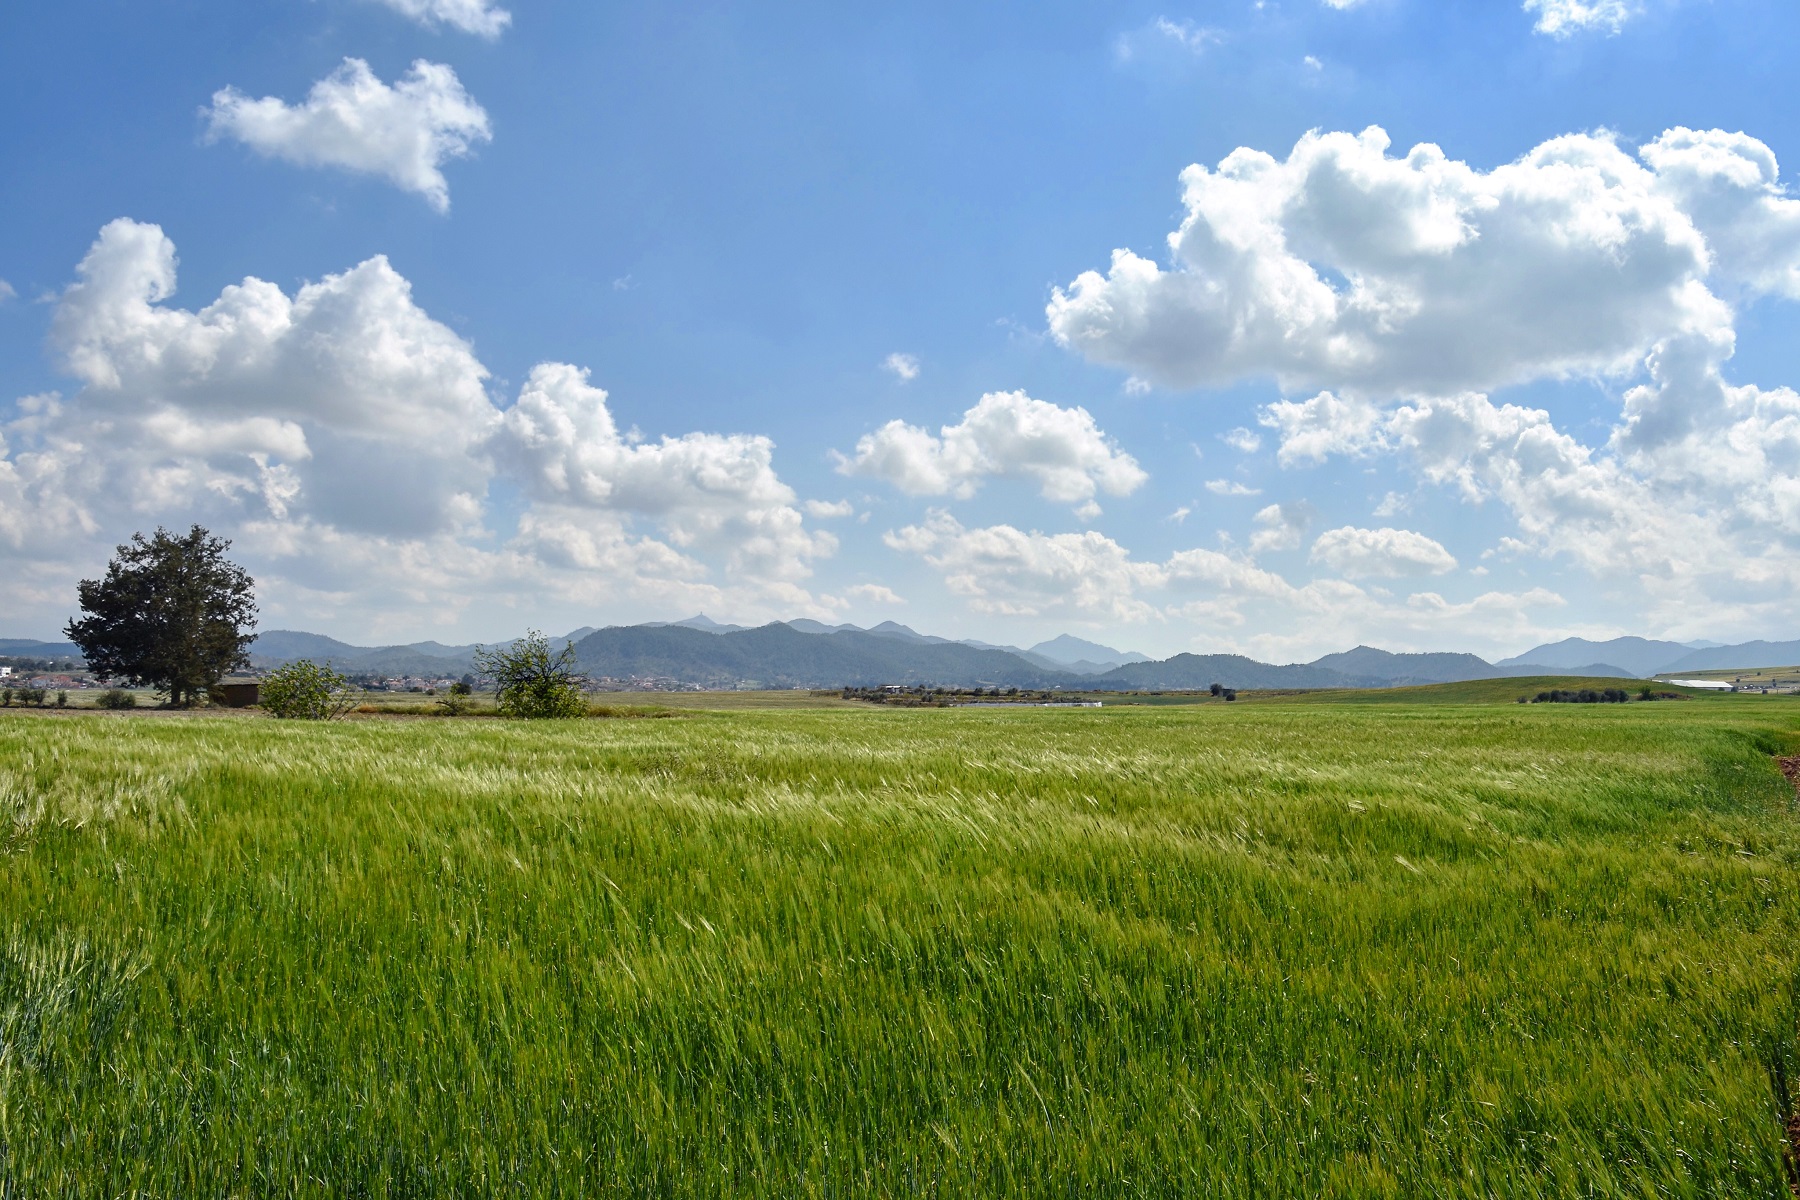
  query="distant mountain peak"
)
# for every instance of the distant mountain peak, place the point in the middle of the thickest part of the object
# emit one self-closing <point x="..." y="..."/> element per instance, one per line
<point x="1070" y="651"/>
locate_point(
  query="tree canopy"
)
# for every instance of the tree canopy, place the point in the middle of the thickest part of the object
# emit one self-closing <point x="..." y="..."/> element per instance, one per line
<point x="172" y="612"/>
<point x="531" y="682"/>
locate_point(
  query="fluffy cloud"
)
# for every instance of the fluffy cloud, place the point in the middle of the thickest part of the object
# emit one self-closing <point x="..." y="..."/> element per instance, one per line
<point x="353" y="120"/>
<point x="1226" y="599"/>
<point x="904" y="367"/>
<point x="1399" y="292"/>
<point x="348" y="442"/>
<point x="1693" y="505"/>
<point x="718" y="492"/>
<point x="1564" y="18"/>
<point x="874" y="593"/>
<point x="6" y="291"/>
<point x="1313" y="430"/>
<point x="1281" y="526"/>
<point x="1007" y="571"/>
<point x="481" y="17"/>
<point x="1345" y="267"/>
<point x="1006" y="434"/>
<point x="262" y="397"/>
<point x="1387" y="553"/>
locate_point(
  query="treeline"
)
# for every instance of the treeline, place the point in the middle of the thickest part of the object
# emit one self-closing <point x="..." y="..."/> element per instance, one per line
<point x="1599" y="696"/>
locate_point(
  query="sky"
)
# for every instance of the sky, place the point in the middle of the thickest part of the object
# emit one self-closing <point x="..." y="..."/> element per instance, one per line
<point x="1259" y="327"/>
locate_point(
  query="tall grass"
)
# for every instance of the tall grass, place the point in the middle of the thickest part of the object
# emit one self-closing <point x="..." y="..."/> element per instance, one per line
<point x="1303" y="950"/>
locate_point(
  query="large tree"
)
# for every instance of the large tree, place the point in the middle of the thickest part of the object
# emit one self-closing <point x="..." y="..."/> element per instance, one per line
<point x="173" y="612"/>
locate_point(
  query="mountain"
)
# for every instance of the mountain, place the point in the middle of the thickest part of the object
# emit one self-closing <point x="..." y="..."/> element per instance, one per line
<point x="780" y="656"/>
<point x="808" y="626"/>
<point x="1080" y="666"/>
<point x="1586" y="671"/>
<point x="277" y="646"/>
<point x="285" y="645"/>
<point x="807" y="653"/>
<point x="1369" y="663"/>
<point x="1746" y="655"/>
<point x="1187" y="672"/>
<point x="1073" y="651"/>
<point x="699" y="621"/>
<point x="30" y="648"/>
<point x="1640" y="656"/>
<point x="893" y="629"/>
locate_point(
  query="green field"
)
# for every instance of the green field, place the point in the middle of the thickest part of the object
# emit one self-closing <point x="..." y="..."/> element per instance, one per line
<point x="1263" y="949"/>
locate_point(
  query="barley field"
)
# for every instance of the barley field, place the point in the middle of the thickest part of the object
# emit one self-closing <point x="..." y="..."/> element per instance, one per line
<point x="1254" y="950"/>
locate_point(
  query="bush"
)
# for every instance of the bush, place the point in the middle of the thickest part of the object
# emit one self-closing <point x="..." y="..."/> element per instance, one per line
<point x="530" y="683"/>
<point x="32" y="697"/>
<point x="304" y="690"/>
<point x="117" y="698"/>
<point x="1584" y="696"/>
<point x="62" y="699"/>
<point x="457" y="702"/>
<point x="6" y="697"/>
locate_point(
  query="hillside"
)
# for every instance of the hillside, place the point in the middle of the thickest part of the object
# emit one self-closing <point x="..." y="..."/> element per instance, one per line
<point x="31" y="648"/>
<point x="1725" y="658"/>
<point x="1191" y="672"/>
<point x="1368" y="662"/>
<point x="1640" y="657"/>
<point x="779" y="656"/>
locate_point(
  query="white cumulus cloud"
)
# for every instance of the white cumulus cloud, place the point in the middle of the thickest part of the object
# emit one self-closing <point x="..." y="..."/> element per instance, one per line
<point x="1011" y="572"/>
<point x="1226" y="600"/>
<point x="481" y="17"/>
<point x="1345" y="267"/>
<point x="1389" y="553"/>
<point x="352" y="120"/>
<point x="1281" y="526"/>
<point x="346" y="440"/>
<point x="1006" y="435"/>
<point x="904" y="367"/>
<point x="1565" y="18"/>
<point x="874" y="593"/>
<point x="716" y="491"/>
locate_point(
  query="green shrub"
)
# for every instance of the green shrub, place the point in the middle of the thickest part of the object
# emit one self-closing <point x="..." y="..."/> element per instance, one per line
<point x="117" y="698"/>
<point x="304" y="690"/>
<point x="530" y="683"/>
<point x="457" y="702"/>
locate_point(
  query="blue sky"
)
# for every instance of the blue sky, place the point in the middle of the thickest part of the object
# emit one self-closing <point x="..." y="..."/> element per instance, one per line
<point x="796" y="248"/>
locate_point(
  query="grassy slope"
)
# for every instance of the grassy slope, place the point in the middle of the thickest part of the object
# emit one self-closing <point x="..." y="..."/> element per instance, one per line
<point x="1489" y="691"/>
<point x="1279" y="950"/>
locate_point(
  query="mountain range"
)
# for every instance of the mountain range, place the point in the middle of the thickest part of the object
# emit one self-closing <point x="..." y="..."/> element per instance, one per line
<point x="805" y="653"/>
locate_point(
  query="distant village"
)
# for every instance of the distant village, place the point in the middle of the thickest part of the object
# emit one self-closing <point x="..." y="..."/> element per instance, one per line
<point x="71" y="675"/>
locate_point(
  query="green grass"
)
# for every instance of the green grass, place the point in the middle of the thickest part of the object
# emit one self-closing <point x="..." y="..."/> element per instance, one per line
<point x="1489" y="691"/>
<point x="1246" y="950"/>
